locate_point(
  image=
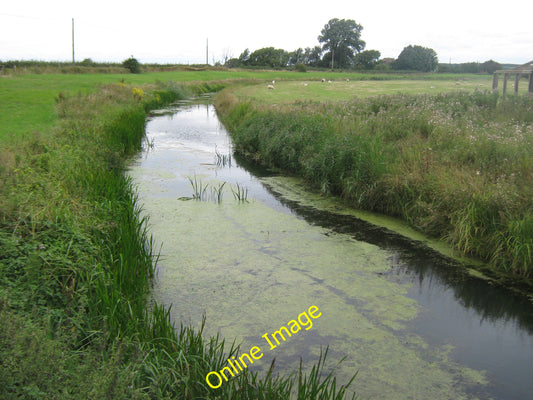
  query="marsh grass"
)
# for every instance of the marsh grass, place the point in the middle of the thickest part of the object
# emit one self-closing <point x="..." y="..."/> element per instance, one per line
<point x="217" y="192"/>
<point x="222" y="160"/>
<point x="454" y="165"/>
<point x="240" y="193"/>
<point x="315" y="386"/>
<point x="199" y="188"/>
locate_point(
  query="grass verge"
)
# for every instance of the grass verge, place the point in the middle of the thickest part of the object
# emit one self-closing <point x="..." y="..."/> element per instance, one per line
<point x="77" y="262"/>
<point x="457" y="165"/>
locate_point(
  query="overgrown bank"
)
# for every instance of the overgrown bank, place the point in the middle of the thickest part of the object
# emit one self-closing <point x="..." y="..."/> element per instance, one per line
<point x="457" y="166"/>
<point x="76" y="264"/>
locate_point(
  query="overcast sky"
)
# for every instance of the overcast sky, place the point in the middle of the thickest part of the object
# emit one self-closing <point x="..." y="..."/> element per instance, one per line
<point x="175" y="31"/>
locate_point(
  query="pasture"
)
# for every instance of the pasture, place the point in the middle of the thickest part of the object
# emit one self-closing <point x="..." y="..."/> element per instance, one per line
<point x="337" y="88"/>
<point x="27" y="101"/>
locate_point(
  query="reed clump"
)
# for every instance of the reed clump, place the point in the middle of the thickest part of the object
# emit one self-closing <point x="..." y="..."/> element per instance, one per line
<point x="458" y="166"/>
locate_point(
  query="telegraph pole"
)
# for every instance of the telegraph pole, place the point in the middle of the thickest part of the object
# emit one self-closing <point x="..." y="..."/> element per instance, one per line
<point x="73" y="58"/>
<point x="207" y="51"/>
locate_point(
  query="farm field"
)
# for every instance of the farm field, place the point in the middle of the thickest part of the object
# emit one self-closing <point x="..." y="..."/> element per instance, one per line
<point x="27" y="101"/>
<point x="340" y="89"/>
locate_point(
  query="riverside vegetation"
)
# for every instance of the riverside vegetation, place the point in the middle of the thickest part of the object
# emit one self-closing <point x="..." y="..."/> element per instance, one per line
<point x="76" y="259"/>
<point x="458" y="165"/>
<point x="77" y="262"/>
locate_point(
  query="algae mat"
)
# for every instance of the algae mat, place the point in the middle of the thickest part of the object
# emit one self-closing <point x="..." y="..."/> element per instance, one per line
<point x="251" y="267"/>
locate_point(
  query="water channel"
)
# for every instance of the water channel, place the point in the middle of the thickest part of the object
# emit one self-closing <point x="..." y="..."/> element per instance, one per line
<point x="410" y="320"/>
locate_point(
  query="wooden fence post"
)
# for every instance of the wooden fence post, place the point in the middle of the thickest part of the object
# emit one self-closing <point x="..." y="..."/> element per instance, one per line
<point x="505" y="77"/>
<point x="516" y="82"/>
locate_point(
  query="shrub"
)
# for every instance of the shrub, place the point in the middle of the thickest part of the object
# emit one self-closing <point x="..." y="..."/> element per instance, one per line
<point x="300" y="67"/>
<point x="132" y="65"/>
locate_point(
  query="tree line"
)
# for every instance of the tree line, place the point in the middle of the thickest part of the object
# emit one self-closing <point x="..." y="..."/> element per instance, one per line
<point x="341" y="47"/>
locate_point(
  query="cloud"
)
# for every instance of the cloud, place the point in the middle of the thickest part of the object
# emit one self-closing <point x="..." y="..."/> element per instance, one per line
<point x="173" y="31"/>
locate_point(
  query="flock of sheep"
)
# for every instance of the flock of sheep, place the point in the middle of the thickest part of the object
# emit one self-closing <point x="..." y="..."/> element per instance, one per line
<point x="272" y="86"/>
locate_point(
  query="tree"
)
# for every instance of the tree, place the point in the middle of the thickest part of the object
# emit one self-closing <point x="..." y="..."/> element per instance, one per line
<point x="341" y="38"/>
<point x="417" y="58"/>
<point x="269" y="57"/>
<point x="367" y="59"/>
<point x="244" y="57"/>
<point x="297" y="57"/>
<point x="312" y="56"/>
<point x="490" y="66"/>
<point x="132" y="65"/>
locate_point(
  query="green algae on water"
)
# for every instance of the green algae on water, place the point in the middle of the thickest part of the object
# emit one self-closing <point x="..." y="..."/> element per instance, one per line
<point x="250" y="268"/>
<point x="294" y="189"/>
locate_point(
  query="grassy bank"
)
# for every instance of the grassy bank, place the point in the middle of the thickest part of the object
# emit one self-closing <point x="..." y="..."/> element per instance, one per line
<point x="456" y="166"/>
<point x="77" y="261"/>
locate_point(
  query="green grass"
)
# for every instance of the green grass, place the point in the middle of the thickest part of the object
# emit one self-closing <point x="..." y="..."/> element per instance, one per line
<point x="340" y="89"/>
<point x="27" y="101"/>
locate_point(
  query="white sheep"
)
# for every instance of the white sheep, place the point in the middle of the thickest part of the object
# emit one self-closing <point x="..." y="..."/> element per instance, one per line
<point x="323" y="79"/>
<point x="271" y="87"/>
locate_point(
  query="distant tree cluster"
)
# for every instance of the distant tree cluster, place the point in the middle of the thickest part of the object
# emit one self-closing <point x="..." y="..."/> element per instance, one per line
<point x="417" y="58"/>
<point x="341" y="47"/>
<point x="488" y="67"/>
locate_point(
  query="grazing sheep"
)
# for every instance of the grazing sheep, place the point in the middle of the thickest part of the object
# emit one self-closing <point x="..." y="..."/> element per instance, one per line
<point x="323" y="79"/>
<point x="271" y="87"/>
<point x="305" y="84"/>
<point x="329" y="81"/>
<point x="347" y="79"/>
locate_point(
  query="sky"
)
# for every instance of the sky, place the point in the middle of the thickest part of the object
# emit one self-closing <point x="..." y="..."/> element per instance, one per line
<point x="165" y="31"/>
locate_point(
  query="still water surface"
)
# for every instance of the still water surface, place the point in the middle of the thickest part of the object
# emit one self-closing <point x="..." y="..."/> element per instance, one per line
<point x="409" y="320"/>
